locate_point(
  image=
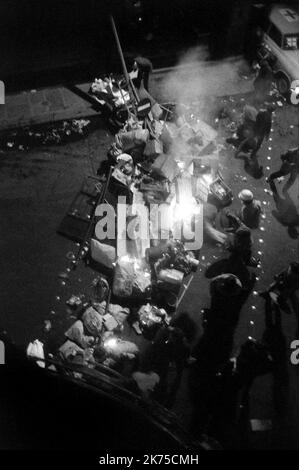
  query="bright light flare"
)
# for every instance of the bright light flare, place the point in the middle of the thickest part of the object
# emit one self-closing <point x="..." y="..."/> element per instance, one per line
<point x="181" y="164"/>
<point x="110" y="344"/>
<point x="185" y="209"/>
<point x="208" y="179"/>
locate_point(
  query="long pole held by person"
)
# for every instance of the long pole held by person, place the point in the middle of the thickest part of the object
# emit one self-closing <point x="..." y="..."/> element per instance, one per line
<point x="125" y="70"/>
<point x="127" y="76"/>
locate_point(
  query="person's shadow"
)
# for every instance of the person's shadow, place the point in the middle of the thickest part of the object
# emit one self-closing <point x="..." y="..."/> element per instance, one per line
<point x="216" y="344"/>
<point x="213" y="349"/>
<point x="276" y="342"/>
<point x="286" y="213"/>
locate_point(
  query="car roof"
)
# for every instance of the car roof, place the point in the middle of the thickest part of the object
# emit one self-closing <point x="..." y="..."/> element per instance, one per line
<point x="285" y="18"/>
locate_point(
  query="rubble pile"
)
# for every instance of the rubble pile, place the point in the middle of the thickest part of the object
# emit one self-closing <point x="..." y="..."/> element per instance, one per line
<point x="165" y="157"/>
<point x="110" y="89"/>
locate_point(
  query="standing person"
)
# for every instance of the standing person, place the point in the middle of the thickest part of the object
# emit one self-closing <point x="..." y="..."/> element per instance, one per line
<point x="290" y="166"/>
<point x="263" y="124"/>
<point x="251" y="209"/>
<point x="231" y="387"/>
<point x="263" y="82"/>
<point x="240" y="245"/>
<point x="245" y="127"/>
<point x="286" y="211"/>
<point x="143" y="67"/>
<point x="170" y="346"/>
<point x="284" y="286"/>
<point x="253" y="41"/>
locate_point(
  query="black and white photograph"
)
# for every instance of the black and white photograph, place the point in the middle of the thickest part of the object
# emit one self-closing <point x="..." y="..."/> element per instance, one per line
<point x="149" y="205"/>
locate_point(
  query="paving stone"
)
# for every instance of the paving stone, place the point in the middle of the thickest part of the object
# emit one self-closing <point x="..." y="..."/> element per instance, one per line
<point x="70" y="98"/>
<point x="2" y="112"/>
<point x="36" y="98"/>
<point x="19" y="99"/>
<point x="18" y="111"/>
<point x="40" y="109"/>
<point x="54" y="97"/>
<point x="39" y="104"/>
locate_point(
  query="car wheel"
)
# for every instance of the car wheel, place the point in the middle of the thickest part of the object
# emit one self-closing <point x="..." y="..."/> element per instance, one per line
<point x="283" y="84"/>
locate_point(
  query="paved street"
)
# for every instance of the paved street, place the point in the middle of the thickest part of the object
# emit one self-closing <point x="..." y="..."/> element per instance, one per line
<point x="43" y="106"/>
<point x="35" y="191"/>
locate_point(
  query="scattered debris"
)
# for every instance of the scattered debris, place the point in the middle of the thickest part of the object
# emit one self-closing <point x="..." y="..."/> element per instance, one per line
<point x="261" y="425"/>
<point x="58" y="133"/>
<point x="35" y="350"/>
<point x="47" y="325"/>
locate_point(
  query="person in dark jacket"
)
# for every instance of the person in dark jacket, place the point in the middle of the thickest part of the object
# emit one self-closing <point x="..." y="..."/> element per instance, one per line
<point x="263" y="124"/>
<point x="223" y="287"/>
<point x="170" y="346"/>
<point x="240" y="245"/>
<point x="143" y="67"/>
<point x="263" y="82"/>
<point x="290" y="166"/>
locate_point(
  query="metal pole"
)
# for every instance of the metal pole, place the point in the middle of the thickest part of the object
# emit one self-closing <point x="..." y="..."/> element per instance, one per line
<point x="185" y="288"/>
<point x="127" y="76"/>
<point x="123" y="63"/>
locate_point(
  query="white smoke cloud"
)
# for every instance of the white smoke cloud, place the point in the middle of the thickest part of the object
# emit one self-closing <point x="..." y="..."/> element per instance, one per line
<point x="194" y="84"/>
<point x="195" y="77"/>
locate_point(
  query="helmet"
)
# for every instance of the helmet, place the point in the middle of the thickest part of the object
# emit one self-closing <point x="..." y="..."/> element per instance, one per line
<point x="246" y="195"/>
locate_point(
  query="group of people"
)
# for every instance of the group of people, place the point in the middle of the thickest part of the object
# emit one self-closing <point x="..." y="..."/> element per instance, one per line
<point x="230" y="283"/>
<point x="222" y="377"/>
<point x="255" y="127"/>
<point x="230" y="287"/>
